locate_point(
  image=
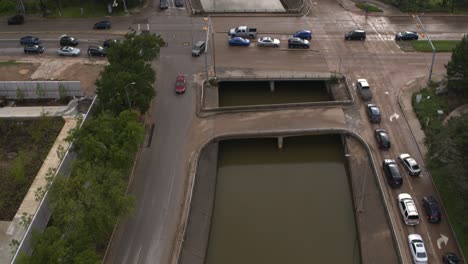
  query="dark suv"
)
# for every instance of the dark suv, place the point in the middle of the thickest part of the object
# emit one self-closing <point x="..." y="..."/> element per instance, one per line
<point x="68" y="41"/>
<point x="16" y="20"/>
<point x="356" y="34"/>
<point x="164" y="4"/>
<point x="30" y="40"/>
<point x="432" y="209"/>
<point x="382" y="138"/>
<point x="32" y="48"/>
<point x="373" y="111"/>
<point x="392" y="173"/>
<point x="179" y="3"/>
<point x="198" y="48"/>
<point x="102" y="25"/>
<point x="97" y="51"/>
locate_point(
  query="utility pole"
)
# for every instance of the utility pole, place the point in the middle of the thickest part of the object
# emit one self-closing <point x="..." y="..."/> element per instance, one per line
<point x="206" y="46"/>
<point x="432" y="46"/>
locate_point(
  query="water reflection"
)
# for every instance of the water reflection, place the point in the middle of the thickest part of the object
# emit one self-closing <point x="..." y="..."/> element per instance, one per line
<point x="282" y="206"/>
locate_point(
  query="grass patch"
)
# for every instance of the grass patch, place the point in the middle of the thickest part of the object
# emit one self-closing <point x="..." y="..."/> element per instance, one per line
<point x="439" y="45"/>
<point x="369" y="8"/>
<point x="8" y="63"/>
<point x="24" y="144"/>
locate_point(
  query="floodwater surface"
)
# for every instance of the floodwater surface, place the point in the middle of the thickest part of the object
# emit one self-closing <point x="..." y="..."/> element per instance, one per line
<point x="282" y="206"/>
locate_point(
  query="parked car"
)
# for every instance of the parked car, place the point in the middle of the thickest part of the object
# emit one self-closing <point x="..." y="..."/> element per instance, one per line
<point x="97" y="51"/>
<point x="68" y="41"/>
<point x="15" y="20"/>
<point x="408" y="209"/>
<point x="392" y="173"/>
<point x="432" y="209"/>
<point x="68" y="51"/>
<point x="109" y="42"/>
<point x="406" y="35"/>
<point x="268" y="42"/>
<point x="364" y="89"/>
<point x="238" y="41"/>
<point x="164" y="4"/>
<point x="243" y="32"/>
<point x="180" y="84"/>
<point x="373" y="112"/>
<point x="418" y="251"/>
<point x="382" y="138"/>
<point x="410" y="164"/>
<point x="198" y="48"/>
<point x="303" y="34"/>
<point x="30" y="40"/>
<point x="298" y="43"/>
<point x="105" y="24"/>
<point x="357" y="34"/>
<point x="32" y="48"/>
<point x="450" y="258"/>
<point x="179" y="3"/>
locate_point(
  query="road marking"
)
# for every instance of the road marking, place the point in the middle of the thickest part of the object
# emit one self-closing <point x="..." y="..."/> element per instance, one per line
<point x="380" y="36"/>
<point x="395" y="115"/>
<point x="443" y="239"/>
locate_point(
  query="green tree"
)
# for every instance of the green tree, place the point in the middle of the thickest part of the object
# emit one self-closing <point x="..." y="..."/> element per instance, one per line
<point x="457" y="71"/>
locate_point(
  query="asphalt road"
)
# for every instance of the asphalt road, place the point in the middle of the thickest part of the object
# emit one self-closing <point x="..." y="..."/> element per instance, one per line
<point x="158" y="182"/>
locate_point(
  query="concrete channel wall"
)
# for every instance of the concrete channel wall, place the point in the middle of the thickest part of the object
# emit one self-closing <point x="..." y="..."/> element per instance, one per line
<point x="191" y="243"/>
<point x="33" y="89"/>
<point x="41" y="217"/>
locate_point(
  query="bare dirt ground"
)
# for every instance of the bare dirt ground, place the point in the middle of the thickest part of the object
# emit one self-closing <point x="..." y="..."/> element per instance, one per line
<point x="53" y="69"/>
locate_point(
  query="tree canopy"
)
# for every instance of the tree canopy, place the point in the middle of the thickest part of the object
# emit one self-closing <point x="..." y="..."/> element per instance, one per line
<point x="457" y="71"/>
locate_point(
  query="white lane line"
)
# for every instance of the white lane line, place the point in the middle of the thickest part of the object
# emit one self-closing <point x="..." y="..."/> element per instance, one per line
<point x="380" y="36"/>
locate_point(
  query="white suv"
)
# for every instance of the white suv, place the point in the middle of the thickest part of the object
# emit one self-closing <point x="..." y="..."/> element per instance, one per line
<point x="408" y="209"/>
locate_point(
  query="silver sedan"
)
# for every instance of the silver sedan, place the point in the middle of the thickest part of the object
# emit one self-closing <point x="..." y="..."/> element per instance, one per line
<point x="268" y="42"/>
<point x="68" y="51"/>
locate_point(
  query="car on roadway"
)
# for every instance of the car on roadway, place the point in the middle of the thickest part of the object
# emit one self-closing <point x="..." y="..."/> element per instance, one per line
<point x="450" y="258"/>
<point x="33" y="48"/>
<point x="68" y="51"/>
<point x="164" y="4"/>
<point x="198" y="48"/>
<point x="30" y="40"/>
<point x="104" y="24"/>
<point x="15" y="20"/>
<point x="373" y="112"/>
<point x="410" y="164"/>
<point x="406" y="35"/>
<point x="431" y="206"/>
<point x="382" y="138"/>
<point x="180" y="84"/>
<point x="268" y="42"/>
<point x="357" y="34"/>
<point x="364" y="89"/>
<point x="97" y="51"/>
<point x="298" y="43"/>
<point x="238" y="41"/>
<point x="408" y="209"/>
<point x="392" y="173"/>
<point x="68" y="41"/>
<point x="417" y="249"/>
<point x="179" y="3"/>
<point x="303" y="34"/>
<point x="109" y="42"/>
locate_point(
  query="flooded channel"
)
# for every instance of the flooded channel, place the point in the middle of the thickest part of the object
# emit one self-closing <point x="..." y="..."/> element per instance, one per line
<point x="282" y="206"/>
<point x="234" y="93"/>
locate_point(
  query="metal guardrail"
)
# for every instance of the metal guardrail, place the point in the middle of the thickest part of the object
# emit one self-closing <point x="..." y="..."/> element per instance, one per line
<point x="43" y="212"/>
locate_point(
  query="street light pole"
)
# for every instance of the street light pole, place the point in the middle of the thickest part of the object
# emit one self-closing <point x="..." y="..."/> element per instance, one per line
<point x="433" y="49"/>
<point x="206" y="48"/>
<point x="126" y="93"/>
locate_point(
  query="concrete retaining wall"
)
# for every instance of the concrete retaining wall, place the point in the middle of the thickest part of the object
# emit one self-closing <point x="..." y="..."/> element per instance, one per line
<point x="32" y="89"/>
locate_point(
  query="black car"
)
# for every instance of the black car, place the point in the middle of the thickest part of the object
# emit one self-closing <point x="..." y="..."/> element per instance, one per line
<point x="432" y="209"/>
<point x="102" y="25"/>
<point x="356" y="34"/>
<point x="31" y="48"/>
<point x="164" y="4"/>
<point x="373" y="111"/>
<point x="450" y="258"/>
<point x="392" y="173"/>
<point x="97" y="51"/>
<point x="179" y="3"/>
<point x="298" y="43"/>
<point x="109" y="42"/>
<point x="30" y="40"/>
<point x="16" y="20"/>
<point x="406" y="35"/>
<point x="382" y="138"/>
<point x="68" y="41"/>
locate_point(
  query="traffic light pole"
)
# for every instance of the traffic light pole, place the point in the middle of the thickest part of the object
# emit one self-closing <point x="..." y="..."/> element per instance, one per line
<point x="432" y="46"/>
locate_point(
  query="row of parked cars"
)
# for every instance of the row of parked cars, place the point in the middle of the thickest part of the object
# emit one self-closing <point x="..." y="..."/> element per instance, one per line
<point x="299" y="39"/>
<point x="359" y="34"/>
<point x="406" y="203"/>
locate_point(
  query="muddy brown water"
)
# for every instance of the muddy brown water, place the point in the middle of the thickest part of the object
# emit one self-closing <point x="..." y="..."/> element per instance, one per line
<point x="282" y="206"/>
